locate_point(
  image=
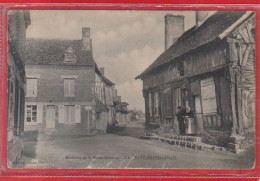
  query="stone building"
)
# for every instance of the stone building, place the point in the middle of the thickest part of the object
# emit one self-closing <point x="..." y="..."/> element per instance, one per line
<point x="210" y="68"/>
<point x="65" y="87"/>
<point x="18" y="21"/>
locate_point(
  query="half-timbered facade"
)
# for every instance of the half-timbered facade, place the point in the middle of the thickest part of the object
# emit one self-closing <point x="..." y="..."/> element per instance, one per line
<point x="210" y="68"/>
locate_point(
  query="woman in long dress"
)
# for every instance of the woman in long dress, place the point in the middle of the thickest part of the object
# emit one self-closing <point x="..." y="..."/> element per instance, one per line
<point x="188" y="114"/>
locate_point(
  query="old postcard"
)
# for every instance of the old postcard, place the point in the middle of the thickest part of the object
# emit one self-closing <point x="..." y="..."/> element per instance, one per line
<point x="131" y="89"/>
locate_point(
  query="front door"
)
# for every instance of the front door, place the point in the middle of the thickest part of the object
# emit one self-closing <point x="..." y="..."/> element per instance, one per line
<point x="50" y="117"/>
<point x="198" y="114"/>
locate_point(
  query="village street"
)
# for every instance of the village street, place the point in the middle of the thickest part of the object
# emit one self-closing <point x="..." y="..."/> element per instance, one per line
<point x="124" y="149"/>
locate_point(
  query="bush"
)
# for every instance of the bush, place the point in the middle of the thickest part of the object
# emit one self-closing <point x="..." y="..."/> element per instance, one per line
<point x="216" y="137"/>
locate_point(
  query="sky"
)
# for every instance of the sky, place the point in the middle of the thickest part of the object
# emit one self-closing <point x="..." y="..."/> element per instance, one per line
<point x="124" y="42"/>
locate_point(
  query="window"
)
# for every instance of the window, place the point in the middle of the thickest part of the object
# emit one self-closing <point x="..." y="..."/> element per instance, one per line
<point x="31" y="88"/>
<point x="70" y="55"/>
<point x="69" y="87"/>
<point x="208" y="96"/>
<point x="31" y="114"/>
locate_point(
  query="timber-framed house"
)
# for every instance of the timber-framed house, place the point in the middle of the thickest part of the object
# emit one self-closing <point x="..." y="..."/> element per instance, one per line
<point x="210" y="68"/>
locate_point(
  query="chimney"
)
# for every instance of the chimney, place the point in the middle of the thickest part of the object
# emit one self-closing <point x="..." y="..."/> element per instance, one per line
<point x="102" y="70"/>
<point x="115" y="93"/>
<point x="201" y="16"/>
<point x="119" y="98"/>
<point x="174" y="27"/>
<point x="86" y="41"/>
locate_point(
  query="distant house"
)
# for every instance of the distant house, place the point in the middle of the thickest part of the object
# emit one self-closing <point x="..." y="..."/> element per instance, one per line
<point x="104" y="89"/>
<point x="18" y="21"/>
<point x="64" y="85"/>
<point x="122" y="113"/>
<point x="210" y="68"/>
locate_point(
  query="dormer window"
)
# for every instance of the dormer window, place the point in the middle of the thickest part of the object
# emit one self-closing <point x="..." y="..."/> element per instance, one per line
<point x="70" y="56"/>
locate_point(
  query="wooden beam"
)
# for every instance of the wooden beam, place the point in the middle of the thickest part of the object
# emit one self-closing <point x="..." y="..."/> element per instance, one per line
<point x="234" y="25"/>
<point x="244" y="35"/>
<point x="251" y="39"/>
<point x="233" y="95"/>
<point x="246" y="54"/>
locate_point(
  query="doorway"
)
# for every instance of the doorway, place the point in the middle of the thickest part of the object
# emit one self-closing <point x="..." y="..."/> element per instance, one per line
<point x="50" y="117"/>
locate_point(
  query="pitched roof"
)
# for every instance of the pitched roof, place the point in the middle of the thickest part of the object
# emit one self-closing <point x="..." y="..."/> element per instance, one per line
<point x="51" y="51"/>
<point x="195" y="37"/>
<point x="109" y="82"/>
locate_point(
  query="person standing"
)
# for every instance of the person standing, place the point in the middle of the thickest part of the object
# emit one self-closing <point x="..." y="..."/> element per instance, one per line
<point x="180" y="119"/>
<point x="187" y="114"/>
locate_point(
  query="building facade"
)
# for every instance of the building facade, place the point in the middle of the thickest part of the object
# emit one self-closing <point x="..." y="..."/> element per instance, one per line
<point x="18" y="21"/>
<point x="104" y="92"/>
<point x="122" y="113"/>
<point x="210" y="68"/>
<point x="65" y="87"/>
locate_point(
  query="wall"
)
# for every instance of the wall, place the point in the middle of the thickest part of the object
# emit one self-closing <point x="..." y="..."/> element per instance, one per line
<point x="109" y="95"/>
<point x="163" y="75"/>
<point x="101" y="124"/>
<point x="202" y="60"/>
<point x="205" y="58"/>
<point x="99" y="88"/>
<point x="248" y="91"/>
<point x="16" y="36"/>
<point x="207" y="61"/>
<point x="51" y="84"/>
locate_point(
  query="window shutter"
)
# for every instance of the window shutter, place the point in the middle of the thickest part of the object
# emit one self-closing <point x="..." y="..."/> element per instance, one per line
<point x="208" y="96"/>
<point x="29" y="87"/>
<point x="39" y="113"/>
<point x="35" y="87"/>
<point x="77" y="114"/>
<point x="66" y="87"/>
<point x="72" y="87"/>
<point x="22" y="105"/>
<point x="61" y="113"/>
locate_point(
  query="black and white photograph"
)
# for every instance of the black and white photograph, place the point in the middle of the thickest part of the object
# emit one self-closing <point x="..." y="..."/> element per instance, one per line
<point x="131" y="89"/>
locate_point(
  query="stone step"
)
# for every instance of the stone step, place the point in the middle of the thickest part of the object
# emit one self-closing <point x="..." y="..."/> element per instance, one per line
<point x="197" y="145"/>
<point x="177" y="137"/>
<point x="182" y="137"/>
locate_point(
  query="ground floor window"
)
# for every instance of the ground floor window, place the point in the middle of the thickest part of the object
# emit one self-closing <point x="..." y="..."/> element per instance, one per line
<point x="31" y="114"/>
<point x="153" y="103"/>
<point x="208" y="96"/>
<point x="69" y="114"/>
